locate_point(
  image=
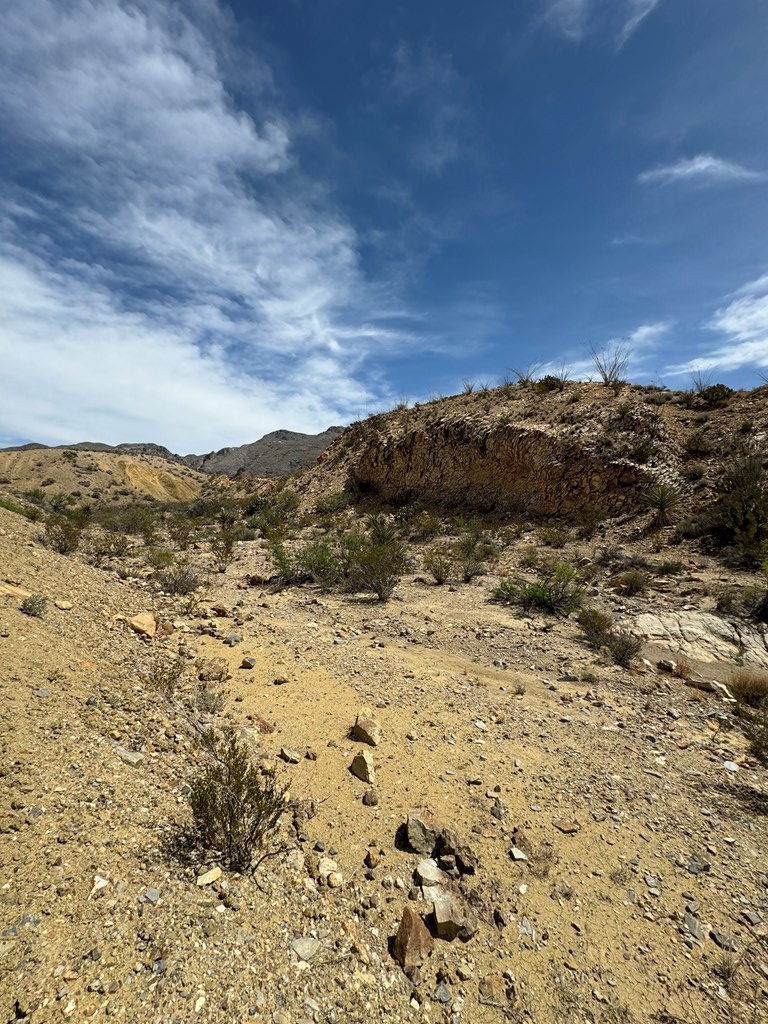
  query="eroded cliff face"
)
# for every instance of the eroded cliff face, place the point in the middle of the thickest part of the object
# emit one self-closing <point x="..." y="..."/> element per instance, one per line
<point x="502" y="466"/>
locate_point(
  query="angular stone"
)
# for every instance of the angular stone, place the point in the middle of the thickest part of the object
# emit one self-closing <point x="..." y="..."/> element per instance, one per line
<point x="289" y="755"/>
<point x="327" y="867"/>
<point x="212" y="670"/>
<point x="305" y="948"/>
<point x="724" y="941"/>
<point x="698" y="863"/>
<point x="372" y="857"/>
<point x="694" y="926"/>
<point x="144" y="623"/>
<point x="492" y="991"/>
<point x="450" y="844"/>
<point x="371" y="798"/>
<point x="413" y="943"/>
<point x="422" y="831"/>
<point x="129" y="757"/>
<point x="248" y="663"/>
<point x="517" y="854"/>
<point x="451" y="918"/>
<point x="362" y="767"/>
<point x="428" y="874"/>
<point x="366" y="729"/>
<point x="568" y="828"/>
<point x="209" y="876"/>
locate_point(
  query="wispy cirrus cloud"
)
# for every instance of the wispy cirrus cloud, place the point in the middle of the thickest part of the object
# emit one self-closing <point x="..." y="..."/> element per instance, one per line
<point x="425" y="79"/>
<point x="743" y="325"/>
<point x="703" y="169"/>
<point x="577" y="19"/>
<point x="153" y="230"/>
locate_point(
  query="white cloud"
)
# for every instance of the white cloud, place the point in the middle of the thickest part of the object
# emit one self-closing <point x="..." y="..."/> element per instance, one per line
<point x="702" y="169"/>
<point x="175" y="278"/>
<point x="427" y="81"/>
<point x="744" y="324"/>
<point x="577" y="19"/>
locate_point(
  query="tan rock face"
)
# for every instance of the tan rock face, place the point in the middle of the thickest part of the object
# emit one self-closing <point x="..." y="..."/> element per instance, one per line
<point x="507" y="467"/>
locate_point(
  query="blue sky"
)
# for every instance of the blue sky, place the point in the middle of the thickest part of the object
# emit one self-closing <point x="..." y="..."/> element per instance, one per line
<point x="218" y="220"/>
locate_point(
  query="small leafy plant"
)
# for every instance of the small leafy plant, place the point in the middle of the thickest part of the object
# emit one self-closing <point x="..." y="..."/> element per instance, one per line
<point x="558" y="590"/>
<point x="236" y="806"/>
<point x="35" y="605"/>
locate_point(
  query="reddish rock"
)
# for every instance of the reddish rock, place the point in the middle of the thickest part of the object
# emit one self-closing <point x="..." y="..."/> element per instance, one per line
<point x="413" y="943"/>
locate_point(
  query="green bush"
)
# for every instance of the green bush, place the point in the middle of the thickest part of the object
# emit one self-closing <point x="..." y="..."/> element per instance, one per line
<point x="63" y="533"/>
<point x="740" y="515"/>
<point x="716" y="395"/>
<point x="377" y="567"/>
<point x="35" y="605"/>
<point x="178" y="579"/>
<point x="236" y="807"/>
<point x="623" y="647"/>
<point x="698" y="443"/>
<point x="329" y="504"/>
<point x="633" y="582"/>
<point x="557" y="591"/>
<point x="597" y="627"/>
<point x="318" y="561"/>
<point x="439" y="563"/>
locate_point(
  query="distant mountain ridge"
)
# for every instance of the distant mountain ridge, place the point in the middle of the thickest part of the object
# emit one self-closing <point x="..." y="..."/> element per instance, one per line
<point x="276" y="454"/>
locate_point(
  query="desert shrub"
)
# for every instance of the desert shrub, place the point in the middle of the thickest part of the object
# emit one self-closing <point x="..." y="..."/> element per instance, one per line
<point x="181" y="530"/>
<point x="438" y="562"/>
<point x="35" y="605"/>
<point x="47" y="482"/>
<point x="596" y="626"/>
<point x="223" y="543"/>
<point x="670" y="567"/>
<point x="754" y="724"/>
<point x="530" y="557"/>
<point x="179" y="579"/>
<point x="694" y="472"/>
<point x="164" y="676"/>
<point x="623" y="647"/>
<point x="740" y="515"/>
<point x="207" y="702"/>
<point x="716" y="395"/>
<point x="287" y="569"/>
<point x="35" y="494"/>
<point x="557" y="591"/>
<point x="662" y="499"/>
<point x="698" y="443"/>
<point x="554" y="537"/>
<point x="633" y="582"/>
<point x="425" y="525"/>
<point x="63" y="533"/>
<point x="135" y="518"/>
<point x="329" y="504"/>
<point x="107" y="545"/>
<point x="749" y="686"/>
<point x="643" y="451"/>
<point x="611" y="364"/>
<point x="377" y="567"/>
<point x="319" y="562"/>
<point x="236" y="807"/>
<point x="159" y="558"/>
<point x="549" y="382"/>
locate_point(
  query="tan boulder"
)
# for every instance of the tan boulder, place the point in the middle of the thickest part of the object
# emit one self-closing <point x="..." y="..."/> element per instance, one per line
<point x="145" y="624"/>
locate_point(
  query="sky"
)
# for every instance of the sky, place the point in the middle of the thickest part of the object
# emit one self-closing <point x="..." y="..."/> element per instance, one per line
<point x="218" y="220"/>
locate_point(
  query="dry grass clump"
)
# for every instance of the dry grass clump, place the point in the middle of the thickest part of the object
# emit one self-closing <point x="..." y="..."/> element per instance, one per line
<point x="749" y="686"/>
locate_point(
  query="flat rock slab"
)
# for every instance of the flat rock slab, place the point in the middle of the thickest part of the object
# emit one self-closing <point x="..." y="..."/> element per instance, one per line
<point x="362" y="767"/>
<point x="703" y="636"/>
<point x="413" y="943"/>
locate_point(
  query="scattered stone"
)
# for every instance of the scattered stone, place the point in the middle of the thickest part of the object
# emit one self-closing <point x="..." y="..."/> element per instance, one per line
<point x="372" y="857"/>
<point x="450" y="844"/>
<point x="366" y="729"/>
<point x="730" y="766"/>
<point x="568" y="828"/>
<point x="694" y="926"/>
<point x="427" y="873"/>
<point x="371" y="798"/>
<point x="442" y="993"/>
<point x="248" y="663"/>
<point x="362" y="767"/>
<point x="64" y="606"/>
<point x="212" y="670"/>
<point x="422" y="831"/>
<point x="233" y="640"/>
<point x="450" y="917"/>
<point x="492" y="991"/>
<point x="305" y="948"/>
<point x="144" y="623"/>
<point x="279" y="681"/>
<point x="41" y="693"/>
<point x="129" y="757"/>
<point x="724" y="941"/>
<point x="290" y="755"/>
<point x="413" y="943"/>
<point x="209" y="876"/>
<point x="150" y="895"/>
<point x="698" y="864"/>
<point x="517" y="854"/>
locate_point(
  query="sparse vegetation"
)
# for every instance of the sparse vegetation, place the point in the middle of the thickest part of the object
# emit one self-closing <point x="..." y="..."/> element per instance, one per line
<point x="36" y="605"/>
<point x="236" y="806"/>
<point x="611" y="363"/>
<point x="557" y="591"/>
<point x="439" y="564"/>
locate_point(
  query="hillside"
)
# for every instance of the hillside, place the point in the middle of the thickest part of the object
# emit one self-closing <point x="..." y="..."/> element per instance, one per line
<point x="277" y="454"/>
<point x="532" y="821"/>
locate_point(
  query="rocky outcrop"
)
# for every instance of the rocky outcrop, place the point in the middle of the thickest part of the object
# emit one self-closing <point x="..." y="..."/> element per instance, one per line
<point x="502" y="466"/>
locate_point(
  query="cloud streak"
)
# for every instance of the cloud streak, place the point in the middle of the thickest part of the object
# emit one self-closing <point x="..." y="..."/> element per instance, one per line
<point x="703" y="169"/>
<point x="172" y="225"/>
<point x="577" y="19"/>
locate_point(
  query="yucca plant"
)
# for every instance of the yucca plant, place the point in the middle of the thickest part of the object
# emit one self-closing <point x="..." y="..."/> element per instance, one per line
<point x="662" y="499"/>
